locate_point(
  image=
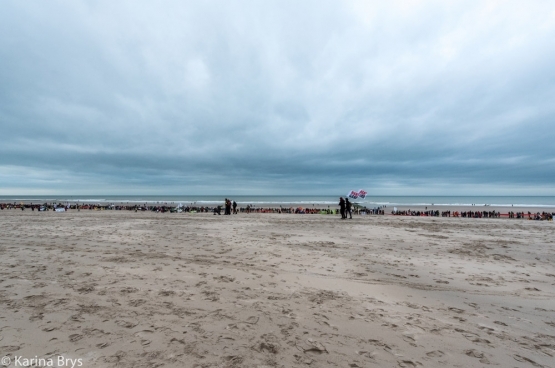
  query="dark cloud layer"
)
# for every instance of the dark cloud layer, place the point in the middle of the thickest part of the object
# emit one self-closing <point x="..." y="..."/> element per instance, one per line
<point x="277" y="97"/>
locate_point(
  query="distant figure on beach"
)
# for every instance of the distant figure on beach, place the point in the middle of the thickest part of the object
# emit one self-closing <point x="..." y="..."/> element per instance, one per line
<point x="342" y="208"/>
<point x="227" y="204"/>
<point x="349" y="207"/>
<point x="234" y="207"/>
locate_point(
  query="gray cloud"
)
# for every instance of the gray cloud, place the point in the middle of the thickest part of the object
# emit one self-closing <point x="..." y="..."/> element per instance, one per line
<point x="400" y="98"/>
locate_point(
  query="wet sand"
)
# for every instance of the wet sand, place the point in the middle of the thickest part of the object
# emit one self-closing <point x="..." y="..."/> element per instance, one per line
<point x="125" y="289"/>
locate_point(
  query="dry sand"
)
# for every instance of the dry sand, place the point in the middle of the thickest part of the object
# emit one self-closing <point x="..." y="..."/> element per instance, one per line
<point x="125" y="289"/>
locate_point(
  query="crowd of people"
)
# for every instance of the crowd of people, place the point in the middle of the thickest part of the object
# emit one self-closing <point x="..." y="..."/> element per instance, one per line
<point x="532" y="216"/>
<point x="346" y="210"/>
<point x="436" y="213"/>
<point x="477" y="214"/>
<point x="229" y="207"/>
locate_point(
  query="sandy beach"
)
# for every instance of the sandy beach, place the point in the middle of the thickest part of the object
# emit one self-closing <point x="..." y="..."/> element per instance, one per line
<point x="126" y="289"/>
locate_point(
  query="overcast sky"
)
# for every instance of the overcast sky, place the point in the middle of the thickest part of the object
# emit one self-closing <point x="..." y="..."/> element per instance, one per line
<point x="277" y="97"/>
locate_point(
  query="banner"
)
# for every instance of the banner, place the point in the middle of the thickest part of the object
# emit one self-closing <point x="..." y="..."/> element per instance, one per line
<point x="353" y="194"/>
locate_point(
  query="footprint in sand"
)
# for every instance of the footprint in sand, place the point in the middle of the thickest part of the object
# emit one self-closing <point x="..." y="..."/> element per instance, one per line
<point x="166" y="293"/>
<point x="478" y="355"/>
<point x="9" y="348"/>
<point x="137" y="302"/>
<point x="75" y="337"/>
<point x="528" y="360"/>
<point x="86" y="289"/>
<point x="367" y="354"/>
<point x="435" y="354"/>
<point x="126" y="324"/>
<point x="476" y="339"/>
<point x="408" y="363"/>
<point x="410" y="339"/>
<point x="128" y="290"/>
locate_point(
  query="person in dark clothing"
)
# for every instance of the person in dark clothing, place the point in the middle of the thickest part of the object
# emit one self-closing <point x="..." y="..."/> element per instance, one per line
<point x="218" y="210"/>
<point x="234" y="207"/>
<point x="349" y="207"/>
<point x="227" y="204"/>
<point x="342" y="207"/>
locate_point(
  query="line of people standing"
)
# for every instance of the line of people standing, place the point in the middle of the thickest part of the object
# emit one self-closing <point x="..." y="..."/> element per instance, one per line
<point x="346" y="208"/>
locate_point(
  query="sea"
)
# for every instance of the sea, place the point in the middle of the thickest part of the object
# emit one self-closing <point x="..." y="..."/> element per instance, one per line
<point x="286" y="200"/>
